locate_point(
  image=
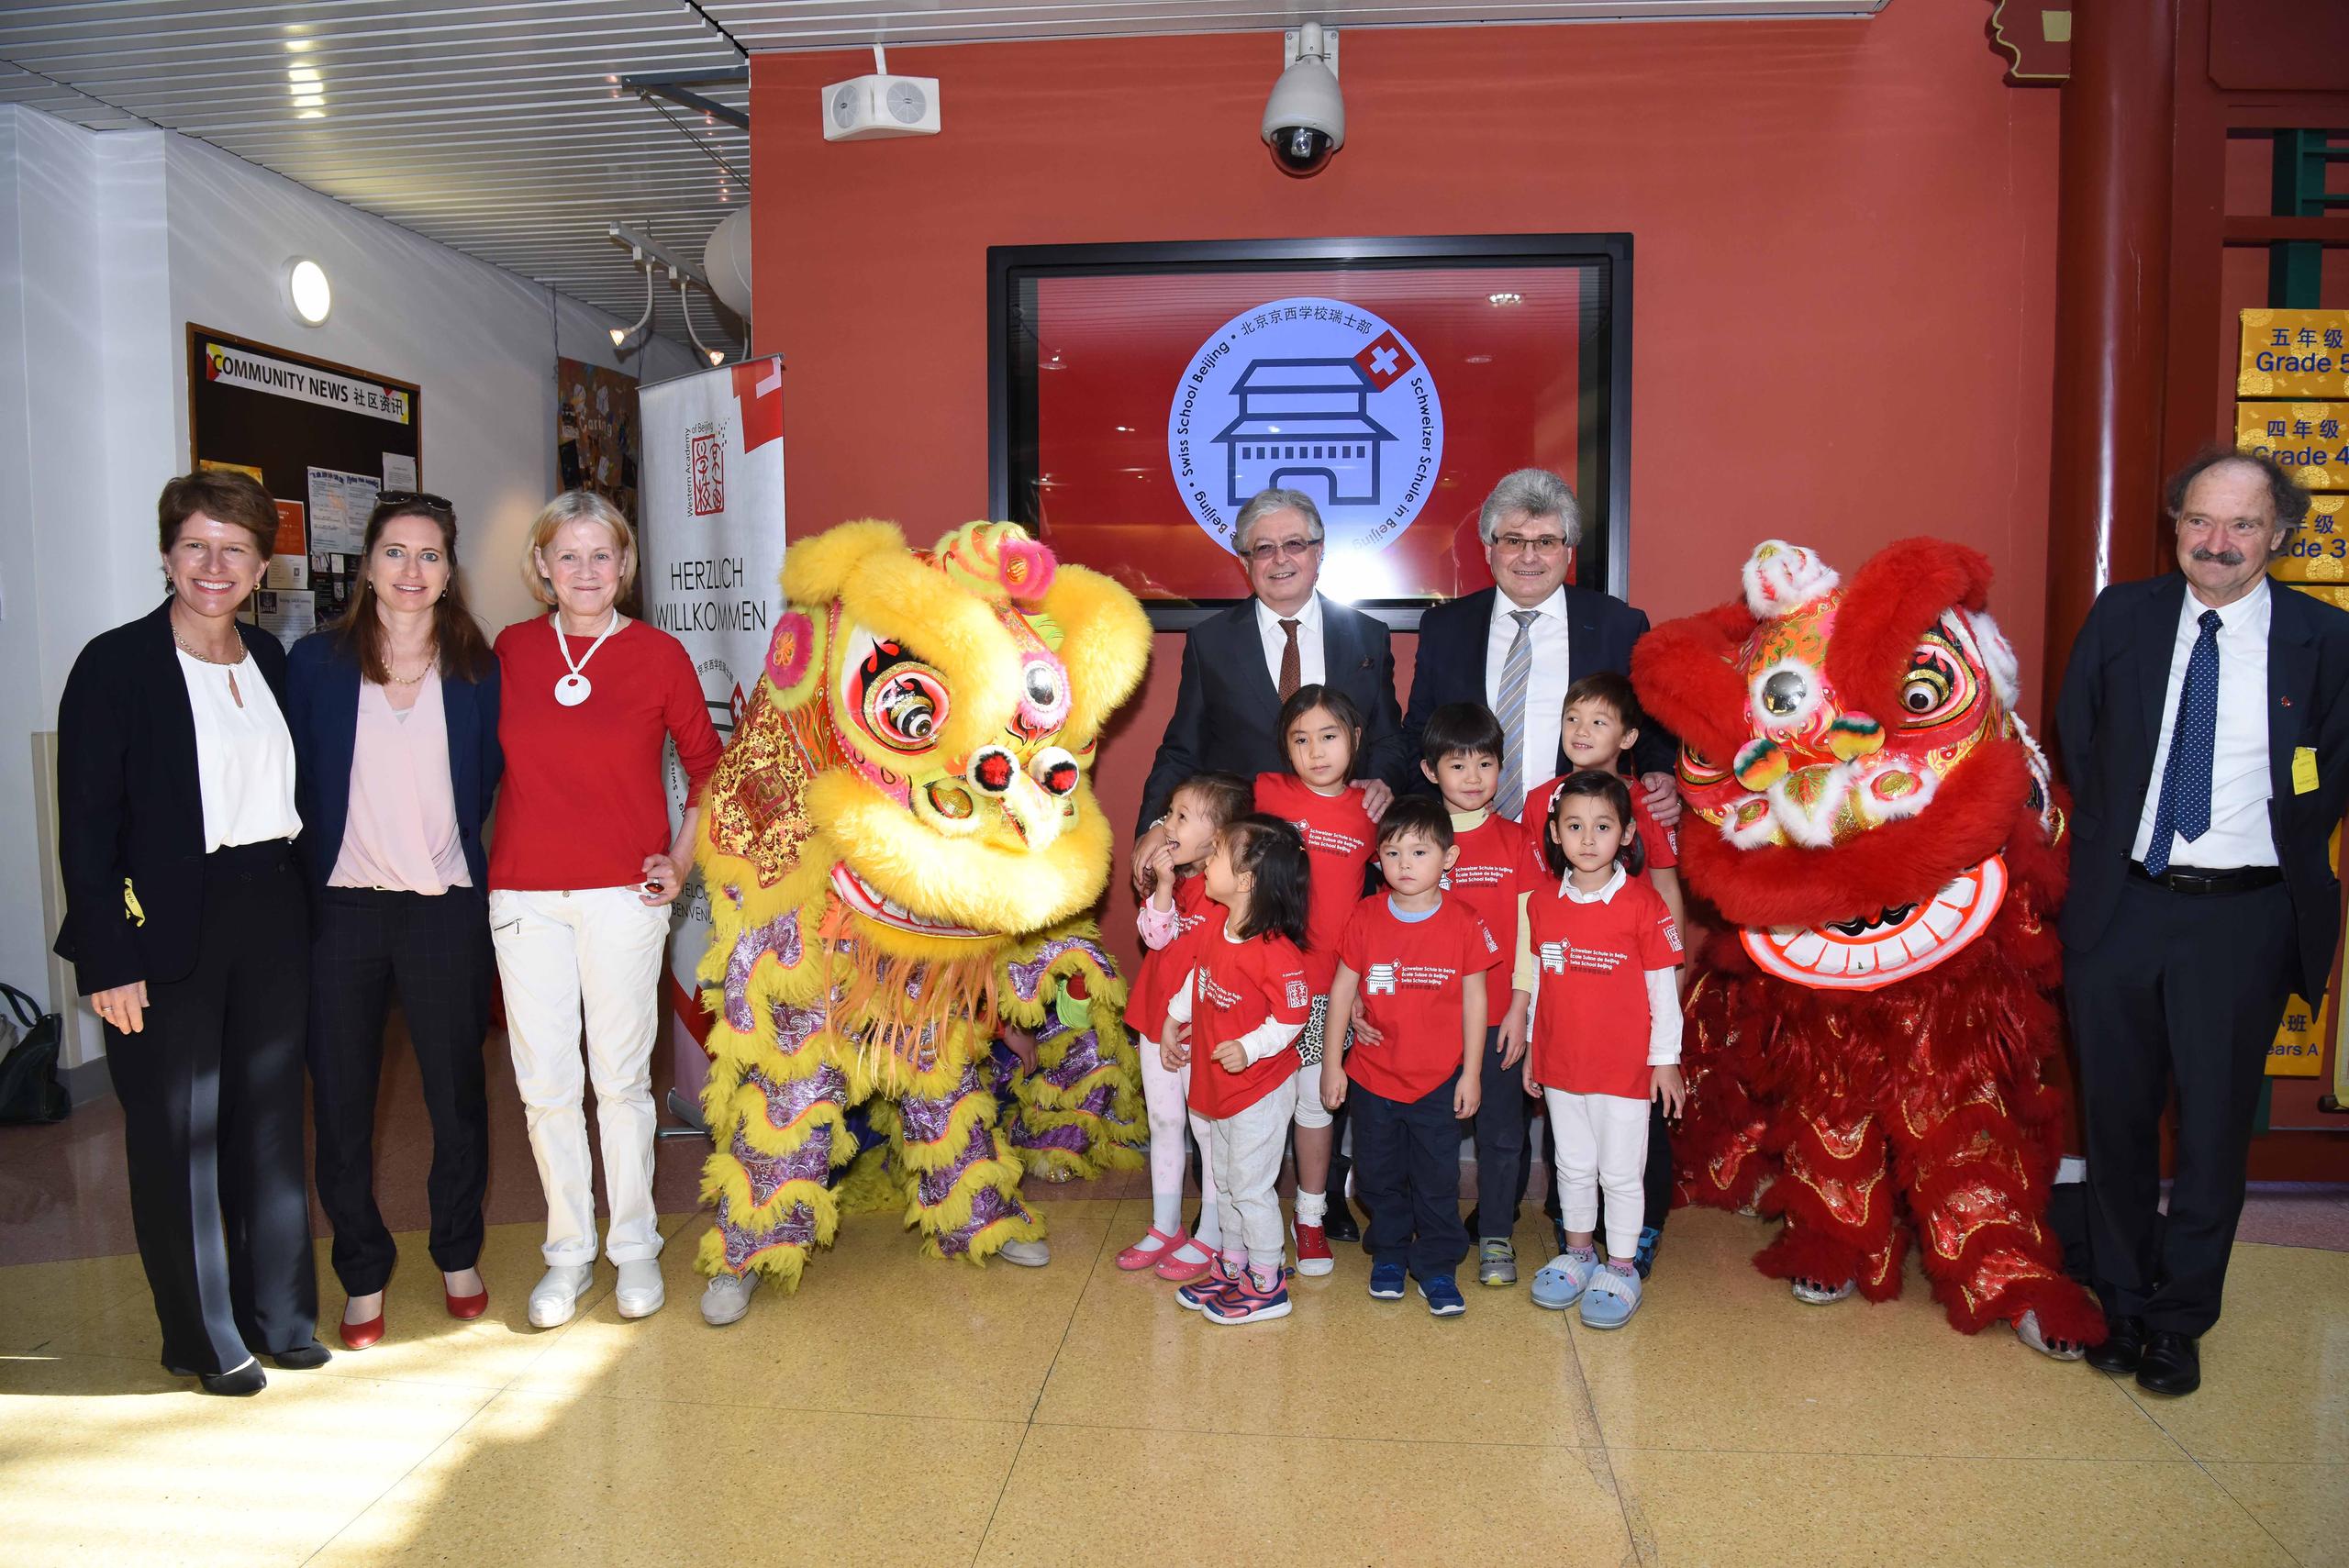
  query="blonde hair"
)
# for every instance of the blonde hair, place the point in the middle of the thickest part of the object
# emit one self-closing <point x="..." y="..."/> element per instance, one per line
<point x="575" y="506"/>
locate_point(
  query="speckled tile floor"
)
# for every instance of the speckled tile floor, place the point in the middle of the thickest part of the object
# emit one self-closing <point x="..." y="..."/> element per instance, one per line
<point x="903" y="1410"/>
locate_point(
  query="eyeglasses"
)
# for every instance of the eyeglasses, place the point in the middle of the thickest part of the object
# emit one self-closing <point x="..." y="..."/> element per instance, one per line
<point x="1518" y="544"/>
<point x="1272" y="548"/>
<point x="414" y="499"/>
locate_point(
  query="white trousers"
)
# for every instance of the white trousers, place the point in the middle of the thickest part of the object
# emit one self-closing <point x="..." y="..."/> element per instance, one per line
<point x="1602" y="1142"/>
<point x="1245" y="1150"/>
<point x="1166" y="1096"/>
<point x="592" y="954"/>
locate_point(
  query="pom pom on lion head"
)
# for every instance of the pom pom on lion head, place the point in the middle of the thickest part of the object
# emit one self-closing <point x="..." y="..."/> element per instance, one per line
<point x="1851" y="745"/>
<point x="923" y="731"/>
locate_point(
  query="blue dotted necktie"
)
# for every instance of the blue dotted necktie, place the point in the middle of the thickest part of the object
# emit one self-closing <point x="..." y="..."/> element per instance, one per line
<point x="2185" y="804"/>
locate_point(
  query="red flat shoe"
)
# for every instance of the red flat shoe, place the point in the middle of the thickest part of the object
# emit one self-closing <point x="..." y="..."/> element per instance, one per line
<point x="358" y="1336"/>
<point x="466" y="1306"/>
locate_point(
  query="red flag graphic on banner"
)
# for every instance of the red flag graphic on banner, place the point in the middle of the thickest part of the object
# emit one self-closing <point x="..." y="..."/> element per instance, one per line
<point x="1385" y="360"/>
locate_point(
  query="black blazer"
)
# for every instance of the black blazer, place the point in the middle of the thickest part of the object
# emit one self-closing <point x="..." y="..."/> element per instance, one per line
<point x="322" y="711"/>
<point x="1453" y="640"/>
<point x="129" y="808"/>
<point x="2108" y="721"/>
<point x="1228" y="708"/>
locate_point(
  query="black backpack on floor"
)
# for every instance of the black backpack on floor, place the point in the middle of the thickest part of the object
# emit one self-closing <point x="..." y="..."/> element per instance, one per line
<point x="29" y="1092"/>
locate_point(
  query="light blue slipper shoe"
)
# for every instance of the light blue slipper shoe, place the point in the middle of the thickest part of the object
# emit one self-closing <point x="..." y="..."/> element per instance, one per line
<point x="1559" y="1282"/>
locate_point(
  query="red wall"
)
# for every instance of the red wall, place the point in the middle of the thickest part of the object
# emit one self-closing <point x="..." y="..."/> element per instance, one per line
<point x="1843" y="271"/>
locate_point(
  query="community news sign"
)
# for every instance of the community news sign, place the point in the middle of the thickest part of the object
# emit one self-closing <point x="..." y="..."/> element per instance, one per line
<point x="712" y="548"/>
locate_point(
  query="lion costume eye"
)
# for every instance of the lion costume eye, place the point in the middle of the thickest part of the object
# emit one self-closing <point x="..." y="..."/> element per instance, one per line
<point x="904" y="702"/>
<point x="1939" y="685"/>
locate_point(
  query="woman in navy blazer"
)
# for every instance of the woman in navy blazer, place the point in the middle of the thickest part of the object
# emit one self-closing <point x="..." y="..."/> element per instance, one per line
<point x="393" y="710"/>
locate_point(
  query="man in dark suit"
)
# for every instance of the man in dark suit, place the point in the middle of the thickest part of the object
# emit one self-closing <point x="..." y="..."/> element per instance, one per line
<point x="1239" y="666"/>
<point x="1516" y="647"/>
<point x="2204" y="726"/>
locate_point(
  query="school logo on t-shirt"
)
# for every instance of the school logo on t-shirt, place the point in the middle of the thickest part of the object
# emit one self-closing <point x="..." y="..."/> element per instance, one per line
<point x="1380" y="981"/>
<point x="1553" y="958"/>
<point x="1670" y="932"/>
<point x="1296" y="991"/>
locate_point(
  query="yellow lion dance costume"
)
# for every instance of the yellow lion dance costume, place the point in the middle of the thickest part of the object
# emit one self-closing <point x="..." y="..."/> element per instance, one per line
<point x="898" y="845"/>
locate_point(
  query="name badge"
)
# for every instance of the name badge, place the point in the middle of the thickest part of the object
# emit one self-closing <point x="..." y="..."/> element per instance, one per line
<point x="2303" y="770"/>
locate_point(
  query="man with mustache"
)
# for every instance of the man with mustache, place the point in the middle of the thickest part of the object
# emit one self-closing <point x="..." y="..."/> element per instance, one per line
<point x="2204" y="727"/>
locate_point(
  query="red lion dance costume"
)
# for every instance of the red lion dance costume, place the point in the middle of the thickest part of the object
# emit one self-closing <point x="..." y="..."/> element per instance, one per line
<point x="1867" y="1057"/>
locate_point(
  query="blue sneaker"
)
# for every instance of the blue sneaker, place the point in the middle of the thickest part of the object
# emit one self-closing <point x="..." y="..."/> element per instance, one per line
<point x="1644" y="1259"/>
<point x="1610" y="1298"/>
<point x="1205" y="1292"/>
<point x="1559" y="1282"/>
<point x="1386" y="1282"/>
<point x="1443" y="1297"/>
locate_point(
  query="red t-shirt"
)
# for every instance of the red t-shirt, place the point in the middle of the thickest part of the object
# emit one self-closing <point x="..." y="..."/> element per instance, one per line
<point x="1591" y="998"/>
<point x="1163" y="969"/>
<point x="1663" y="844"/>
<point x="583" y="801"/>
<point x="1340" y="839"/>
<point x="1238" y="986"/>
<point x="1410" y="972"/>
<point x="1487" y="877"/>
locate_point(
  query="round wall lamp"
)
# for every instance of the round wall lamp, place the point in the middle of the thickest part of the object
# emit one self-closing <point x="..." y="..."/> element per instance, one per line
<point x="307" y="291"/>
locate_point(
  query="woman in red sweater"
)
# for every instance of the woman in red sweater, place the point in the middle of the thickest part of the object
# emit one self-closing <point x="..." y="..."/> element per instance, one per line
<point x="580" y="875"/>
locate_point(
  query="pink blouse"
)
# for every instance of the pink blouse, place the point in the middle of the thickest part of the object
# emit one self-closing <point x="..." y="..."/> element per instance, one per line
<point x="401" y="835"/>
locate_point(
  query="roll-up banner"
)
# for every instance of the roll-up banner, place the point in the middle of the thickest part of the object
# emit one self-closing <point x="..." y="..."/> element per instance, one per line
<point x="712" y="551"/>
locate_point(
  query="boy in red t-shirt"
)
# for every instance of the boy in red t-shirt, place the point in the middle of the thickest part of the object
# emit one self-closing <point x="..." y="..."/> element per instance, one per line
<point x="1460" y="753"/>
<point x="1411" y="978"/>
<point x="1598" y="723"/>
<point x="1598" y="951"/>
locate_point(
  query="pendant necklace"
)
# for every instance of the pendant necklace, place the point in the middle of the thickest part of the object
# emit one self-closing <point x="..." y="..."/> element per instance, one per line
<point x="573" y="689"/>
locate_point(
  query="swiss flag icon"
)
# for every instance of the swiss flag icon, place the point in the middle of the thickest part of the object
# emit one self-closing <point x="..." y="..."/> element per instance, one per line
<point x="1385" y="360"/>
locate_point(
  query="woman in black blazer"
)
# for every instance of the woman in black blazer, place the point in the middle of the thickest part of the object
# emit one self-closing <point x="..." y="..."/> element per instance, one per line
<point x="393" y="710"/>
<point x="188" y="928"/>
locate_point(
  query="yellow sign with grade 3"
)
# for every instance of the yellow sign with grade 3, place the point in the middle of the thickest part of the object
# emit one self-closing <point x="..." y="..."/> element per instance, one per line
<point x="2294" y="354"/>
<point x="2316" y="558"/>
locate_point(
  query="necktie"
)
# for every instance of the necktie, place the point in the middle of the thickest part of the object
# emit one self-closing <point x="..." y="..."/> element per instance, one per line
<point x="1516" y="669"/>
<point x="1291" y="672"/>
<point x="2184" y="807"/>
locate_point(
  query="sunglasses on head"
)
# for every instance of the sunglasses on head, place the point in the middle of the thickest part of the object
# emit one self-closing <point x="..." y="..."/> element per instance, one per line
<point x="414" y="499"/>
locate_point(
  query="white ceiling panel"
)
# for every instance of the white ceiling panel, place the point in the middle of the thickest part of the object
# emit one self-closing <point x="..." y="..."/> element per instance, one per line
<point x="499" y="127"/>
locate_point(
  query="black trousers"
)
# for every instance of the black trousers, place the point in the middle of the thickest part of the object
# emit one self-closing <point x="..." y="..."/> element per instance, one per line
<point x="1655" y="1186"/>
<point x="211" y="1092"/>
<point x="436" y="950"/>
<point x="2184" y="990"/>
<point x="1407" y="1170"/>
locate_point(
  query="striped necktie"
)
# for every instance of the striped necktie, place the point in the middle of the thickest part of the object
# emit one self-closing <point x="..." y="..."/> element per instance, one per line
<point x="1517" y="670"/>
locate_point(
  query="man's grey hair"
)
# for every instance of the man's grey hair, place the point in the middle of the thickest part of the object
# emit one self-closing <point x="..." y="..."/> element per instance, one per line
<point x="1264" y="504"/>
<point x="1537" y="492"/>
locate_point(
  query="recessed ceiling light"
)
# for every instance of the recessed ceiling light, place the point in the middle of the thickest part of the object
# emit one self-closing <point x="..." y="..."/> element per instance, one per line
<point x="307" y="291"/>
<point x="311" y="115"/>
<point x="309" y="101"/>
<point x="301" y="73"/>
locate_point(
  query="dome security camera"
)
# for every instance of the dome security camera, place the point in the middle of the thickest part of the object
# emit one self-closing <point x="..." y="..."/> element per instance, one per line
<point x="1305" y="118"/>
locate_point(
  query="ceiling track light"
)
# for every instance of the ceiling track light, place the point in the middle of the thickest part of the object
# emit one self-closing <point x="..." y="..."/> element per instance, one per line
<point x="621" y="335"/>
<point x="685" y="307"/>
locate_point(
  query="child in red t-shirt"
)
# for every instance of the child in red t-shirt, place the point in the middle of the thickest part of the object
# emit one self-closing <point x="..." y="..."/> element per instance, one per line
<point x="1170" y="920"/>
<point x="1320" y="729"/>
<point x="1411" y="968"/>
<point x="1598" y="724"/>
<point x="1597" y="952"/>
<point x="1460" y="753"/>
<point x="1244" y="1001"/>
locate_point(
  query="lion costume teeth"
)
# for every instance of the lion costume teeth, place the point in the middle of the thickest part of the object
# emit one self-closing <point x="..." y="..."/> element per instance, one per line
<point x="900" y="845"/>
<point x="1868" y="1058"/>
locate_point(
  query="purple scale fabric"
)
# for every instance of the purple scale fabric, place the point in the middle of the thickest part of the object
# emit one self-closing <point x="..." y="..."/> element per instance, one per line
<point x="811" y="1161"/>
<point x="988" y="1205"/>
<point x="926" y="1119"/>
<point x="798" y="1228"/>
<point x="780" y="936"/>
<point x="788" y="1101"/>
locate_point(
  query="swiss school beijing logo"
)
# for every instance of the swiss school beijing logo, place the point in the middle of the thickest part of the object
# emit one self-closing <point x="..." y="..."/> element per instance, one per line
<point x="705" y="469"/>
<point x="1311" y="394"/>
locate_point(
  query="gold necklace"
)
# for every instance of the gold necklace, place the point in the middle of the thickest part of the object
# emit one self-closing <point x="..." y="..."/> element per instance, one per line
<point x="194" y="653"/>
<point x="405" y="680"/>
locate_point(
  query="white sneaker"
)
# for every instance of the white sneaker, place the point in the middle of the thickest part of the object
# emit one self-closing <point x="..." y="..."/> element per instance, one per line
<point x="1027" y="1255"/>
<point x="727" y="1298"/>
<point x="556" y="1297"/>
<point x="639" y="1294"/>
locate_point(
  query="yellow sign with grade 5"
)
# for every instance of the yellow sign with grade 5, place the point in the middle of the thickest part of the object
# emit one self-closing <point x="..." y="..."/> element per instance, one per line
<point x="2294" y="354"/>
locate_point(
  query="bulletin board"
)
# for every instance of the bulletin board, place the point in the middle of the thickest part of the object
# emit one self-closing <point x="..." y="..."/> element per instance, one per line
<point x="323" y="439"/>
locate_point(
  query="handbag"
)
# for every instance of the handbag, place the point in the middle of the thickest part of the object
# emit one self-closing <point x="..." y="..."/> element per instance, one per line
<point x="29" y="1092"/>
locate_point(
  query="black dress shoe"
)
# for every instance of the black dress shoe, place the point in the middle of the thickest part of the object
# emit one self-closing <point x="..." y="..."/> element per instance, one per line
<point x="1338" y="1224"/>
<point x="245" y="1380"/>
<point x="303" y="1358"/>
<point x="2171" y="1366"/>
<point x="2124" y="1347"/>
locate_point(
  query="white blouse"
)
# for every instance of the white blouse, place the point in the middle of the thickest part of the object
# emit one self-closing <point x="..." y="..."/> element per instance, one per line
<point x="244" y="757"/>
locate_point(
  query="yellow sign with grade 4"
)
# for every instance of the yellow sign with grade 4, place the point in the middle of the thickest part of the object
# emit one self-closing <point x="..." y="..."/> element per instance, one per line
<point x="2294" y="354"/>
<point x="2310" y="440"/>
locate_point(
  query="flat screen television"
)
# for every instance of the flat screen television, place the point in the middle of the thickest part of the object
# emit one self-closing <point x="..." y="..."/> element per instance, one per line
<point x="1141" y="394"/>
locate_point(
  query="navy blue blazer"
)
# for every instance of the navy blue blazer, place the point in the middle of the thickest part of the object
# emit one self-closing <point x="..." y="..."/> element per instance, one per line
<point x="322" y="711"/>
<point x="130" y="809"/>
<point x="2108" y="719"/>
<point x="1454" y="639"/>
<point x="1227" y="708"/>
